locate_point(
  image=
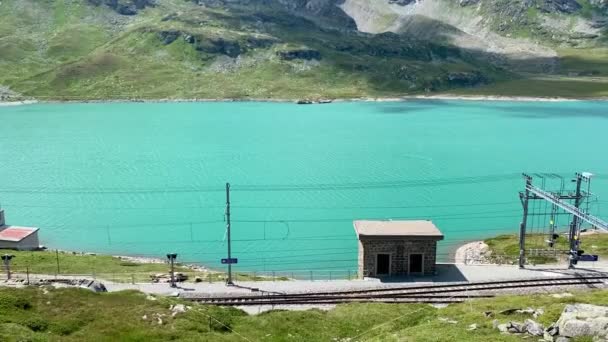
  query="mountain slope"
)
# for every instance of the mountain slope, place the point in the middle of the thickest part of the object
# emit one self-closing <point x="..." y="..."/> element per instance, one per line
<point x="145" y="49"/>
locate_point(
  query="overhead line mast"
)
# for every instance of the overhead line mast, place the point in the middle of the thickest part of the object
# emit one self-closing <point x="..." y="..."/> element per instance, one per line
<point x="559" y="200"/>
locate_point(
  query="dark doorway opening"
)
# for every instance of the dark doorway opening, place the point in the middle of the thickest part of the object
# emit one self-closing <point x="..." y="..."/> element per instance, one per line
<point x="416" y="263"/>
<point x="383" y="262"/>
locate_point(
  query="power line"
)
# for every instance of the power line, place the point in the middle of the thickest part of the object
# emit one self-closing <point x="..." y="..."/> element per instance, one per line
<point x="272" y="187"/>
<point x="377" y="207"/>
<point x="267" y="207"/>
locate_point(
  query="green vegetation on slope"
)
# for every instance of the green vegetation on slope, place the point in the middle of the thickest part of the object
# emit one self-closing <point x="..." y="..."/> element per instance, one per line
<point x="180" y="50"/>
<point x="35" y="314"/>
<point x="507" y="246"/>
<point x="46" y="262"/>
<point x="107" y="267"/>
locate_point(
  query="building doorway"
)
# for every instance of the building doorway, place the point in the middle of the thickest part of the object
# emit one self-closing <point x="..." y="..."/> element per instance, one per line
<point x="416" y="264"/>
<point x="383" y="264"/>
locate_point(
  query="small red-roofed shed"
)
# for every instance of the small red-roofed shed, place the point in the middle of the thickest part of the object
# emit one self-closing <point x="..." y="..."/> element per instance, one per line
<point x="16" y="237"/>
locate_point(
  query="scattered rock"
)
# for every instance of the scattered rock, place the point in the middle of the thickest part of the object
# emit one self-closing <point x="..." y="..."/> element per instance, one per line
<point x="562" y="295"/>
<point x="529" y="311"/>
<point x="472" y="327"/>
<point x="534" y="328"/>
<point x="150" y="297"/>
<point x="508" y="311"/>
<point x="198" y="279"/>
<point x="488" y="314"/>
<point x="96" y="286"/>
<point x="553" y="330"/>
<point x="447" y="320"/>
<point x="562" y="339"/>
<point x="177" y="309"/>
<point x="159" y="318"/>
<point x="503" y="328"/>
<point x="516" y="328"/>
<point x="144" y="317"/>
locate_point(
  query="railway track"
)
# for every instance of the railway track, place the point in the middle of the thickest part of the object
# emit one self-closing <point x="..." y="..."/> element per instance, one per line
<point x="448" y="293"/>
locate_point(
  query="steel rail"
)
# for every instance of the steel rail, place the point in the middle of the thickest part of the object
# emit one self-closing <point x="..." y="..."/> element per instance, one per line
<point x="423" y="294"/>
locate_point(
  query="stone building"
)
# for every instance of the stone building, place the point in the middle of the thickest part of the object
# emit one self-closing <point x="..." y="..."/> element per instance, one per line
<point x="397" y="248"/>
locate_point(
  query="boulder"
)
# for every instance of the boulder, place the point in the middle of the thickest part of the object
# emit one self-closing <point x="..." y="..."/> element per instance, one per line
<point x="599" y="326"/>
<point x="575" y="328"/>
<point x="503" y="328"/>
<point x="534" y="328"/>
<point x="583" y="320"/>
<point x="516" y="328"/>
<point x="553" y="330"/>
<point x="177" y="309"/>
<point x="96" y="286"/>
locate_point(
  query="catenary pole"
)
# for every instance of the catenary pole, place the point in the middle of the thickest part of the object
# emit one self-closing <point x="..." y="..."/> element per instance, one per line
<point x="524" y="197"/>
<point x="229" y="281"/>
<point x="574" y="225"/>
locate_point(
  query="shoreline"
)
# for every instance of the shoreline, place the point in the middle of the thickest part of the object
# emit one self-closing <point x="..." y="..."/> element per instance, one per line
<point x="444" y="97"/>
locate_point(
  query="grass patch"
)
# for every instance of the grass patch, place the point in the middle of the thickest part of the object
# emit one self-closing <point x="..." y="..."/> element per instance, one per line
<point x="77" y="314"/>
<point x="110" y="268"/>
<point x="45" y="262"/>
<point x="505" y="248"/>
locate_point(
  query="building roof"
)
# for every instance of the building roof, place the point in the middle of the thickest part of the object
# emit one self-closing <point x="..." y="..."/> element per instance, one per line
<point x="397" y="229"/>
<point x="15" y="233"/>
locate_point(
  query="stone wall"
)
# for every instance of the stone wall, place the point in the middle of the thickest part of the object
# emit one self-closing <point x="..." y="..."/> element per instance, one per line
<point x="399" y="251"/>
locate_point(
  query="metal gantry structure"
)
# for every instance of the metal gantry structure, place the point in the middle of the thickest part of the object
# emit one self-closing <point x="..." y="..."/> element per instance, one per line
<point x="559" y="199"/>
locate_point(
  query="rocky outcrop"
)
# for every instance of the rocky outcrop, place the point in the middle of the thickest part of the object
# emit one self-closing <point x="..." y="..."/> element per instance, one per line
<point x="584" y="320"/>
<point x="124" y="7"/>
<point x="466" y="79"/>
<point x="221" y="46"/>
<point x="561" y="6"/>
<point x="6" y="94"/>
<point x="576" y="321"/>
<point x="168" y="37"/>
<point x="326" y="12"/>
<point x="306" y="54"/>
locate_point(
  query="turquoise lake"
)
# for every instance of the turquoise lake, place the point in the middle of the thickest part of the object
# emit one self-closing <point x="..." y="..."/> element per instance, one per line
<point x="148" y="178"/>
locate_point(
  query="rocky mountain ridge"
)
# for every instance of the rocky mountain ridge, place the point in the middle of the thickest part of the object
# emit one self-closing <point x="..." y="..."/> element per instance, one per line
<point x="287" y="48"/>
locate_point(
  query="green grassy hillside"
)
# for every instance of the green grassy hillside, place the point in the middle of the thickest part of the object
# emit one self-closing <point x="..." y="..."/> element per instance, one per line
<point x="176" y="49"/>
<point x="34" y="314"/>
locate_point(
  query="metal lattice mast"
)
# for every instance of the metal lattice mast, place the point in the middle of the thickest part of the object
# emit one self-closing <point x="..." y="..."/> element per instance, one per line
<point x="558" y="200"/>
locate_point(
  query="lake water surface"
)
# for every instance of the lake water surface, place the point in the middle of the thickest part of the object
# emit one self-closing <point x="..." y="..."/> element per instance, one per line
<point x="148" y="178"/>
